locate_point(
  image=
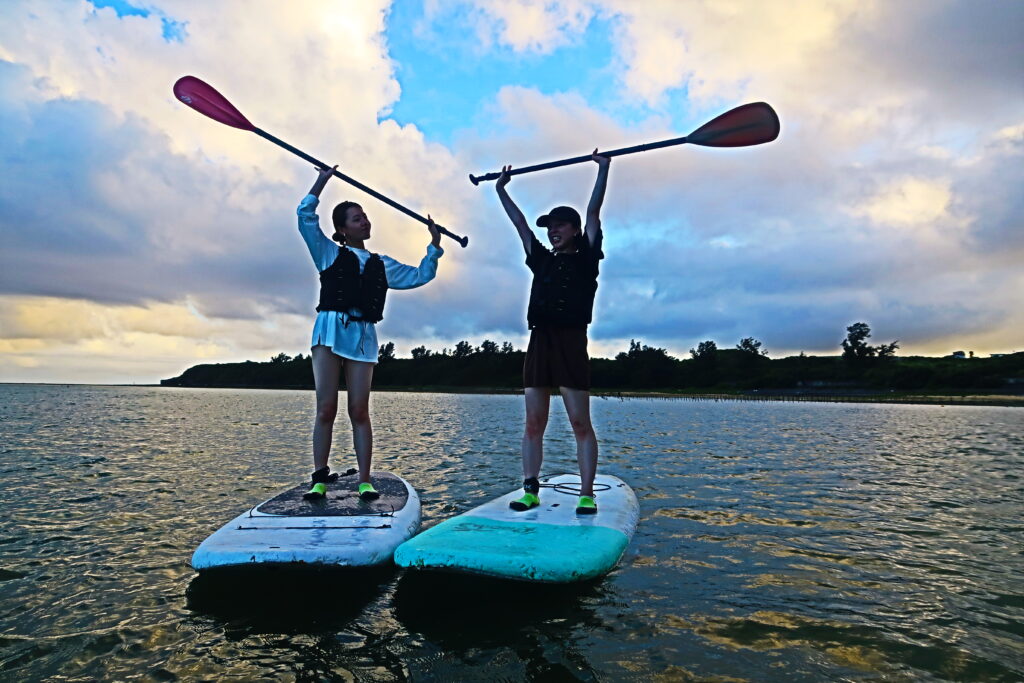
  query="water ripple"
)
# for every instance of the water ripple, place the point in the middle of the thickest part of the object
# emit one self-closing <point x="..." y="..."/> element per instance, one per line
<point x="777" y="542"/>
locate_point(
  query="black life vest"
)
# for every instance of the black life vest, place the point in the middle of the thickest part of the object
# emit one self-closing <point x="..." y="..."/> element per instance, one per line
<point x="343" y="288"/>
<point x="564" y="285"/>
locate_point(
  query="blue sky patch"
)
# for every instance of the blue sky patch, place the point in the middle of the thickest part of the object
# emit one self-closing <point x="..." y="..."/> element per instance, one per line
<point x="173" y="31"/>
<point x="449" y="82"/>
<point x="449" y="79"/>
<point x="123" y="9"/>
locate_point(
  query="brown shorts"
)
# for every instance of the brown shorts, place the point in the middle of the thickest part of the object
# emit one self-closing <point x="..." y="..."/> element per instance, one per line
<point x="557" y="357"/>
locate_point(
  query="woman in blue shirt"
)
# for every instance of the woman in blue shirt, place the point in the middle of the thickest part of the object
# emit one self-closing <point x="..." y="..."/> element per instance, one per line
<point x="353" y="286"/>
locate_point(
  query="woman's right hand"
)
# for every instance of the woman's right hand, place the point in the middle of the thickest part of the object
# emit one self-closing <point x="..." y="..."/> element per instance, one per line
<point x="503" y="179"/>
<point x="324" y="174"/>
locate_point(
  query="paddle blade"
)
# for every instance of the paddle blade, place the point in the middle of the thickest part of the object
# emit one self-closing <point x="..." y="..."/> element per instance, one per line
<point x="207" y="101"/>
<point x="748" y="124"/>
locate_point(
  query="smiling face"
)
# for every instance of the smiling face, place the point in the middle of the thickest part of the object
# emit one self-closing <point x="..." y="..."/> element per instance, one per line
<point x="561" y="234"/>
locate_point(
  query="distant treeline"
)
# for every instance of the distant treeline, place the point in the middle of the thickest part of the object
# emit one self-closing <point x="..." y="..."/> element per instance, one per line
<point x="644" y="368"/>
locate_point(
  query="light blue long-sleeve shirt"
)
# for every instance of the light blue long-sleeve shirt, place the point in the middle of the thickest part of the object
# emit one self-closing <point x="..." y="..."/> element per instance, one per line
<point x="355" y="339"/>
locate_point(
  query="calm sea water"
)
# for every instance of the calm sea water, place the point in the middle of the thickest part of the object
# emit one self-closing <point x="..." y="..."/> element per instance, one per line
<point x="777" y="541"/>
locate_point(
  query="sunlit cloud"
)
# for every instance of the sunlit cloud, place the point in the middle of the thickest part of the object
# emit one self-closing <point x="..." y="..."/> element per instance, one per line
<point x="41" y="333"/>
<point x="138" y="238"/>
<point x="907" y="202"/>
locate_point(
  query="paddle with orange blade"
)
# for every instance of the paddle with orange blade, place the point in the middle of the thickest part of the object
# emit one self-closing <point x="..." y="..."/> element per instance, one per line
<point x="746" y="125"/>
<point x="207" y="101"/>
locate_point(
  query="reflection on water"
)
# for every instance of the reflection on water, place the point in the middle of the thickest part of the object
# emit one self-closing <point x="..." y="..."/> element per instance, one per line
<point x="277" y="600"/>
<point x="519" y="629"/>
<point x="777" y="542"/>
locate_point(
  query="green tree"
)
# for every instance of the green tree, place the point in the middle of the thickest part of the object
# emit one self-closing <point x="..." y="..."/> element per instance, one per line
<point x="855" y="346"/>
<point x="642" y="352"/>
<point x="888" y="350"/>
<point x="386" y="352"/>
<point x="281" y="358"/>
<point x="488" y="347"/>
<point x="506" y="348"/>
<point x="634" y="351"/>
<point x="420" y="352"/>
<point x="751" y="345"/>
<point x="644" y="366"/>
<point x="856" y="349"/>
<point x="462" y="350"/>
<point x="706" y="351"/>
<point x="705" y="363"/>
<point x="752" y="363"/>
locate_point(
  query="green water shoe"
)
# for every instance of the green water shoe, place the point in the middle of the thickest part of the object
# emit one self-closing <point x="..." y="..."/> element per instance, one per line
<point x="527" y="502"/>
<point x="367" y="492"/>
<point x="586" y="506"/>
<point x="319" y="488"/>
<point x="317" y="492"/>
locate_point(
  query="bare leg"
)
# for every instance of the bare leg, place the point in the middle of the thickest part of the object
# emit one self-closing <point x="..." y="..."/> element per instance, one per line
<point x="358" y="377"/>
<point x="326" y="375"/>
<point x="577" y="405"/>
<point x="537" y="405"/>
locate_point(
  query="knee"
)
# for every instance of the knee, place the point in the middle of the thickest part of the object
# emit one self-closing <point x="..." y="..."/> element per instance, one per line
<point x="359" y="415"/>
<point x="326" y="411"/>
<point x="535" y="426"/>
<point x="582" y="428"/>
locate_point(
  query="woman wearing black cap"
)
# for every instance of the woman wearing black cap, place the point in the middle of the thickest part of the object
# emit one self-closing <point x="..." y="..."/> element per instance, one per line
<point x="561" y="304"/>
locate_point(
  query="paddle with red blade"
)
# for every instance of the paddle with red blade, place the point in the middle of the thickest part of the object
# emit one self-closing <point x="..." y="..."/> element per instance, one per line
<point x="207" y="101"/>
<point x="746" y="125"/>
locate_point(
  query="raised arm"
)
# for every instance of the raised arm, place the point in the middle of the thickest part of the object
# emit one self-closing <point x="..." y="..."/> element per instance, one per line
<point x="321" y="180"/>
<point x="593" y="226"/>
<point x="401" y="276"/>
<point x="323" y="250"/>
<point x="514" y="214"/>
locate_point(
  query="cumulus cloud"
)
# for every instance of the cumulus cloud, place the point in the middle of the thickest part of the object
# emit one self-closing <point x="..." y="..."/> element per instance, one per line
<point x="523" y="25"/>
<point x="131" y="226"/>
<point x="44" y="336"/>
<point x="115" y="193"/>
<point x="884" y="199"/>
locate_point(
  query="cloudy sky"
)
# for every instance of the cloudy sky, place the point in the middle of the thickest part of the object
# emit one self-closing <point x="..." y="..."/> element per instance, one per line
<point x="138" y="238"/>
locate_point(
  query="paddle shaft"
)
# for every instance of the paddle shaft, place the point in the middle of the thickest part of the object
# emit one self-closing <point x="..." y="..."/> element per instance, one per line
<point x="582" y="159"/>
<point x="748" y="124"/>
<point x="355" y="183"/>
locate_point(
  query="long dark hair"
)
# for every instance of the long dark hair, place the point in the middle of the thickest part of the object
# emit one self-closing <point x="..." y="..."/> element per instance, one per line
<point x="338" y="217"/>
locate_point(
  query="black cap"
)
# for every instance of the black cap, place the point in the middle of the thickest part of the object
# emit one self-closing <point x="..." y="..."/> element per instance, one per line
<point x="560" y="213"/>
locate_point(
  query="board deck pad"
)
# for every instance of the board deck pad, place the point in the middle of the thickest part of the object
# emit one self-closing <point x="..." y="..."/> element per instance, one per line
<point x="549" y="543"/>
<point x="342" y="499"/>
<point x="338" y="531"/>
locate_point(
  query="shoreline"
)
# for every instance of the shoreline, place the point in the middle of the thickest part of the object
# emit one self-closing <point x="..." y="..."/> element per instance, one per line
<point x="939" y="399"/>
<point x="944" y="399"/>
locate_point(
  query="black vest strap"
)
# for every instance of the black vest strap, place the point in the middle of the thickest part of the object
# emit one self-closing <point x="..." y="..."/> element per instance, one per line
<point x="343" y="288"/>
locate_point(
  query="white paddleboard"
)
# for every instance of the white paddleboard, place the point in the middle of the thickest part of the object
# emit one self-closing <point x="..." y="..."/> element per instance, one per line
<point x="549" y="543"/>
<point x="339" y="531"/>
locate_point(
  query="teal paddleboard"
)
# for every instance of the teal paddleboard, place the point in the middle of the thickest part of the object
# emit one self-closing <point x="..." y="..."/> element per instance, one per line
<point x="549" y="543"/>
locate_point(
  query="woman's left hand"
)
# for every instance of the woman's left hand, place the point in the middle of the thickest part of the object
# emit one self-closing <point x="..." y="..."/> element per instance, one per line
<point x="435" y="236"/>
